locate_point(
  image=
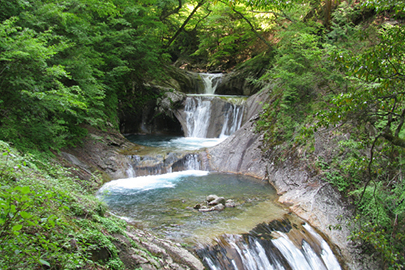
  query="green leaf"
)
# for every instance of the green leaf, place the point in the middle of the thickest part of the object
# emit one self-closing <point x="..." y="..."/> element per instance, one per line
<point x="44" y="262"/>
<point x="25" y="190"/>
<point x="17" y="227"/>
<point x="25" y="215"/>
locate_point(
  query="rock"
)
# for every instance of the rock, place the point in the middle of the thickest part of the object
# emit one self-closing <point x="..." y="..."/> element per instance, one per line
<point x="205" y="209"/>
<point x="211" y="198"/>
<point x="160" y="253"/>
<point x="98" y="153"/>
<point x="182" y="255"/>
<point x="236" y="82"/>
<point x="184" y="81"/>
<point x="219" y="207"/>
<point x="197" y="206"/>
<point x="219" y="200"/>
<point x="230" y="203"/>
<point x="307" y="194"/>
<point x="171" y="100"/>
<point x="139" y="259"/>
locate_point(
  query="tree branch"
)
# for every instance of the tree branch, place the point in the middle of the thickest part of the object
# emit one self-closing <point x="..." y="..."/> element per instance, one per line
<point x="401" y="123"/>
<point x="370" y="177"/>
<point x="395" y="140"/>
<point x="184" y="24"/>
<point x="164" y="15"/>
<point x="253" y="29"/>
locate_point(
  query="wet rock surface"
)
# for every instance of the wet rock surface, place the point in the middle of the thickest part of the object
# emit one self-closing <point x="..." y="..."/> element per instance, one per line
<point x="99" y="153"/>
<point x="153" y="252"/>
<point x="214" y="203"/>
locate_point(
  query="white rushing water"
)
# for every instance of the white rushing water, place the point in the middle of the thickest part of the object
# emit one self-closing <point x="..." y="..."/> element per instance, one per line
<point x="201" y="114"/>
<point x="211" y="82"/>
<point x="327" y="254"/>
<point x="198" y="119"/>
<point x="279" y="251"/>
<point x="233" y="120"/>
<point x="143" y="183"/>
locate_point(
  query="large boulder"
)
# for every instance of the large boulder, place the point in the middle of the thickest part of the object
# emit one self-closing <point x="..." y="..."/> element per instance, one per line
<point x="181" y="80"/>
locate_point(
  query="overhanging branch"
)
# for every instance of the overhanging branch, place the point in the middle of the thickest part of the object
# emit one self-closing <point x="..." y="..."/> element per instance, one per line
<point x="253" y="29"/>
<point x="184" y="24"/>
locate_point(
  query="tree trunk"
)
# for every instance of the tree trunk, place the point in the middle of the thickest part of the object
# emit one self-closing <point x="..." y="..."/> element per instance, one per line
<point x="184" y="24"/>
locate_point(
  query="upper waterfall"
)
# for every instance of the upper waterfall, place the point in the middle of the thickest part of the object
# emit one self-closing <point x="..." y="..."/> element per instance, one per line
<point x="211" y="82"/>
<point x="211" y="116"/>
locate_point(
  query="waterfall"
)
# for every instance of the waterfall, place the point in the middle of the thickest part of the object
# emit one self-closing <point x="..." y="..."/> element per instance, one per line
<point x="192" y="162"/>
<point x="271" y="246"/>
<point x="212" y="116"/>
<point x="130" y="171"/>
<point x="198" y="112"/>
<point x="210" y="81"/>
<point x="233" y="120"/>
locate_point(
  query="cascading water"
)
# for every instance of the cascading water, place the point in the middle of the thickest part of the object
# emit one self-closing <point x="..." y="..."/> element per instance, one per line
<point x="198" y="113"/>
<point x="233" y="120"/>
<point x="276" y="245"/>
<point x="211" y="82"/>
<point x="130" y="171"/>
<point x="192" y="162"/>
<point x="211" y="116"/>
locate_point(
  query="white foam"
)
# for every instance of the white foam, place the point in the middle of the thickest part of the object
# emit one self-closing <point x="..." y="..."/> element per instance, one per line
<point x="143" y="183"/>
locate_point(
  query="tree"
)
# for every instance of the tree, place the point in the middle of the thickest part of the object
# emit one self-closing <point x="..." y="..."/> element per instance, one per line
<point x="372" y="109"/>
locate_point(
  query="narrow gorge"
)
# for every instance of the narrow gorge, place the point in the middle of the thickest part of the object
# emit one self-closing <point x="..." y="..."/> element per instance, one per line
<point x="167" y="176"/>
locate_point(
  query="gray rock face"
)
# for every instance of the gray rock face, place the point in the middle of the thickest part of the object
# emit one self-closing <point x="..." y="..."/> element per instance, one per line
<point x="99" y="152"/>
<point x="236" y="84"/>
<point x="240" y="153"/>
<point x="170" y="101"/>
<point x="182" y="80"/>
<point x="169" y="255"/>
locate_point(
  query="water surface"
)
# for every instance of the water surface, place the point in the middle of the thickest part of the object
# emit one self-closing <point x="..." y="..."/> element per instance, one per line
<point x="165" y="203"/>
<point x="174" y="143"/>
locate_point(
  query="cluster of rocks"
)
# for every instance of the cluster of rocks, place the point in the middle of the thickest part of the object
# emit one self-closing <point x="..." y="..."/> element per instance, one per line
<point x="214" y="203"/>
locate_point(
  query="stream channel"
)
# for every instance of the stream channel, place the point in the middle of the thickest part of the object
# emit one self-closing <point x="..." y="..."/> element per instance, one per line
<point x="253" y="233"/>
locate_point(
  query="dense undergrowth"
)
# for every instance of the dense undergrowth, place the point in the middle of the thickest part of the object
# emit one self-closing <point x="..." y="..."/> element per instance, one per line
<point x="50" y="219"/>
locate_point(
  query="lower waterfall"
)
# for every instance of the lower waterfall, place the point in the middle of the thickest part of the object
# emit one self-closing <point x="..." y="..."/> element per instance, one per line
<point x="198" y="111"/>
<point x="277" y="245"/>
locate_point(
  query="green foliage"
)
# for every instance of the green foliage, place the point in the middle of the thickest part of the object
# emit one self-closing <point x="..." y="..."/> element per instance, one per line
<point x="346" y="79"/>
<point x="226" y="38"/>
<point x="296" y="79"/>
<point x="68" y="63"/>
<point x="40" y="221"/>
<point x="371" y="108"/>
<point x="276" y="4"/>
<point x="383" y="5"/>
